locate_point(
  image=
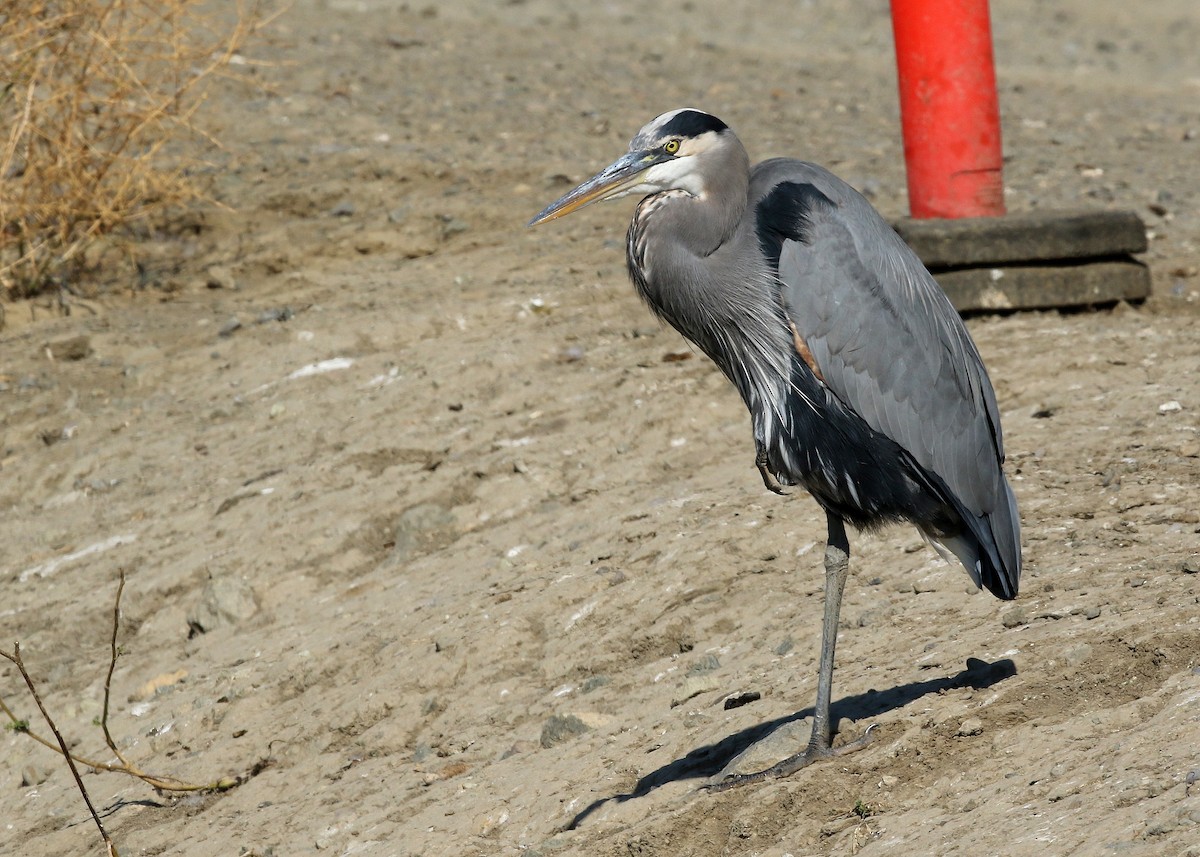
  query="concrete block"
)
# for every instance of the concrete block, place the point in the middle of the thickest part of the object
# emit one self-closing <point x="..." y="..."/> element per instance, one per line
<point x="1023" y="238"/>
<point x="1045" y="286"/>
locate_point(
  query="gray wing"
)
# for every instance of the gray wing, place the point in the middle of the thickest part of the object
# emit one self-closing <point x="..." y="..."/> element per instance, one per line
<point x="884" y="336"/>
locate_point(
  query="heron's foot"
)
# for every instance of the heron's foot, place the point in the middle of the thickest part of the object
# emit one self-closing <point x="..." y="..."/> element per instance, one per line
<point x="768" y="478"/>
<point x="789" y="766"/>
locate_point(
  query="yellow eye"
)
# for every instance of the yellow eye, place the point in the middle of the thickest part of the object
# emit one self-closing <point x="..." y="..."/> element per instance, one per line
<point x="671" y="147"/>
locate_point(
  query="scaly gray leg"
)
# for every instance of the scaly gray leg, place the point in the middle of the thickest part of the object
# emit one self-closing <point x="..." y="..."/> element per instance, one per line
<point x="837" y="567"/>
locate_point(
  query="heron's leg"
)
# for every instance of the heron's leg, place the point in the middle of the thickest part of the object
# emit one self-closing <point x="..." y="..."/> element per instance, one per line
<point x="837" y="568"/>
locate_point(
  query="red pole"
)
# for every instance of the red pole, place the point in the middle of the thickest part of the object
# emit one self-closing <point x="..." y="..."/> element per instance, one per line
<point x="948" y="108"/>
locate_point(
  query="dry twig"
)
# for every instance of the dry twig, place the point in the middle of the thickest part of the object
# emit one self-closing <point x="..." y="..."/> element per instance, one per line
<point x="15" y="657"/>
<point x="124" y="766"/>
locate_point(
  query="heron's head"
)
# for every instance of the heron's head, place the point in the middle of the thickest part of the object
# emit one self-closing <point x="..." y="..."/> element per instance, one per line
<point x="667" y="154"/>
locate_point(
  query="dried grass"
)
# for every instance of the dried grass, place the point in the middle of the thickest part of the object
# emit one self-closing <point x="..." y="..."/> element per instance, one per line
<point x="93" y="96"/>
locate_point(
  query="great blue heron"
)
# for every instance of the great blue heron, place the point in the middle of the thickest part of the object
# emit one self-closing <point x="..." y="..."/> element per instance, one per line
<point x="863" y="384"/>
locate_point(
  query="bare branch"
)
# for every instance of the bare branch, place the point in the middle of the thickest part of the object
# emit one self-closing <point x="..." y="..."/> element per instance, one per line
<point x="15" y="657"/>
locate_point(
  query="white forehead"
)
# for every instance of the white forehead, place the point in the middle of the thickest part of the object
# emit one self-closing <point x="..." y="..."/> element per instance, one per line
<point x="653" y="130"/>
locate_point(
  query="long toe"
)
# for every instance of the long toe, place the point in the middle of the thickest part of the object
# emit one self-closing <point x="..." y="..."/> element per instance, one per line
<point x="791" y="764"/>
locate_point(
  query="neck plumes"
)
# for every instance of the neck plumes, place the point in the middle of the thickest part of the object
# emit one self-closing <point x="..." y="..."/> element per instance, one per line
<point x="696" y="263"/>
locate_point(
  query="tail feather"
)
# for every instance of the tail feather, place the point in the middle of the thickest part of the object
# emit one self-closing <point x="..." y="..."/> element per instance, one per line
<point x="990" y="547"/>
<point x="989" y="544"/>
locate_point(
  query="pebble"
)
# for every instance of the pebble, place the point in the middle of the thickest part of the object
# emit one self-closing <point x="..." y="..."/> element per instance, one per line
<point x="34" y="775"/>
<point x="970" y="726"/>
<point x="226" y="600"/>
<point x="1077" y="654"/>
<point x="489" y="821"/>
<point x="277" y="314"/>
<point x="694" y="685"/>
<point x="423" y="528"/>
<point x="787" y="739"/>
<point x="1191" y="565"/>
<point x="1168" y="407"/>
<point x="229" y="327"/>
<point x="75" y="348"/>
<point x="345" y="208"/>
<point x="706" y="664"/>
<point x="219" y="277"/>
<point x="560" y="728"/>
<point x="593" y="682"/>
<point x="740" y="698"/>
<point x="1015" y="617"/>
<point x="454" y="226"/>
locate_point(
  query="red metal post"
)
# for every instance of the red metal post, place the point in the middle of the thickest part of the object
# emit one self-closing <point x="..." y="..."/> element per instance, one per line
<point x="948" y="107"/>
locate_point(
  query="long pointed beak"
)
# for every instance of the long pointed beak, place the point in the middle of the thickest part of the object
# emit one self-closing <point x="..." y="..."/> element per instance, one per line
<point x="618" y="178"/>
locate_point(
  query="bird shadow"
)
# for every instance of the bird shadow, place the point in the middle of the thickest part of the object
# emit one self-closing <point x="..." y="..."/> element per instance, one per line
<point x="711" y="759"/>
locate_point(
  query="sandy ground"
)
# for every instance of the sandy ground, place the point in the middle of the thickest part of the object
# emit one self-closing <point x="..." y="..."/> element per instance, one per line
<point x="450" y="531"/>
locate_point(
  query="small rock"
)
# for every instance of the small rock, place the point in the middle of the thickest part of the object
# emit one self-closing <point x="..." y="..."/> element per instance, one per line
<point x="277" y="410"/>
<point x="694" y="685"/>
<point x="593" y="682"/>
<point x="560" y="728"/>
<point x="926" y="584"/>
<point x="782" y="742"/>
<point x="421" y="529"/>
<point x="1091" y="613"/>
<point x="888" y="781"/>
<point x="75" y="348"/>
<point x="1191" y="565"/>
<point x="219" y="277"/>
<point x="1168" y="407"/>
<point x="34" y="775"/>
<point x="1015" y="617"/>
<point x="489" y="821"/>
<point x="740" y="698"/>
<point x="345" y="208"/>
<point x="225" y="600"/>
<point x="454" y="226"/>
<point x="278" y="314"/>
<point x="592" y="719"/>
<point x="970" y="726"/>
<point x="1076" y="654"/>
<point x="229" y="327"/>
